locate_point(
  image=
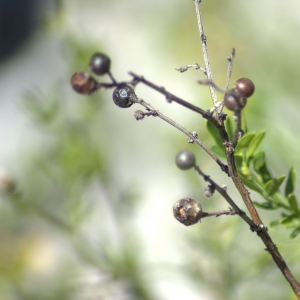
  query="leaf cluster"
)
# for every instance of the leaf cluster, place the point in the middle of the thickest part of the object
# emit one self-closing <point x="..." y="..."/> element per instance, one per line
<point x="252" y="168"/>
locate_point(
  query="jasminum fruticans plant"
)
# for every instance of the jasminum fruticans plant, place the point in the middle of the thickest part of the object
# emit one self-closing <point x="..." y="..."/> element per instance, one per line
<point x="236" y="151"/>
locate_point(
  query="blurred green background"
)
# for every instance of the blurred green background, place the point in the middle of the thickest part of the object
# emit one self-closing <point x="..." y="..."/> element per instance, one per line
<point x="87" y="192"/>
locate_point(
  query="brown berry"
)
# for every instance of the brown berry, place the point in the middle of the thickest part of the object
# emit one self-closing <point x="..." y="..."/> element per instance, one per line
<point x="245" y="86"/>
<point x="234" y="100"/>
<point x="83" y="83"/>
<point x="187" y="211"/>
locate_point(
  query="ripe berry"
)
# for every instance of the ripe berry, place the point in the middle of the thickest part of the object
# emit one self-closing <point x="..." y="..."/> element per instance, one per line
<point x="185" y="160"/>
<point x="100" y="64"/>
<point x="245" y="86"/>
<point x="234" y="100"/>
<point x="187" y="211"/>
<point x="124" y="95"/>
<point x="83" y="83"/>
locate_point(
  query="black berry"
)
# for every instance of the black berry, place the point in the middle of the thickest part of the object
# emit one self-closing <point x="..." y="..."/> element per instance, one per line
<point x="124" y="95"/>
<point x="245" y="86"/>
<point x="100" y="64"/>
<point x="83" y="83"/>
<point x="185" y="160"/>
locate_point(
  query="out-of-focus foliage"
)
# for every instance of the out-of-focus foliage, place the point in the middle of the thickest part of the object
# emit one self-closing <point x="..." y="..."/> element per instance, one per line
<point x="69" y="224"/>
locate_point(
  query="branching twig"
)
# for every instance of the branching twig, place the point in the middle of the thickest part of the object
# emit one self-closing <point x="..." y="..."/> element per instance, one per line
<point x="196" y="66"/>
<point x="205" y="52"/>
<point x="224" y="194"/>
<point x="193" y="137"/>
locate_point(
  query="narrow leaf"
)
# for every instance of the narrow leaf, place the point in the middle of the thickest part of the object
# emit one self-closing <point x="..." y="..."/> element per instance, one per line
<point x="290" y="221"/>
<point x="295" y="232"/>
<point x="229" y="128"/>
<point x="291" y="182"/>
<point x="265" y="174"/>
<point x="238" y="162"/>
<point x="274" y="224"/>
<point x="293" y="202"/>
<point x="266" y="205"/>
<point x="255" y="143"/>
<point x="273" y="185"/>
<point x="219" y="152"/>
<point x="215" y="134"/>
<point x="250" y="184"/>
<point x="244" y="122"/>
<point x="244" y="141"/>
<point x="259" y="160"/>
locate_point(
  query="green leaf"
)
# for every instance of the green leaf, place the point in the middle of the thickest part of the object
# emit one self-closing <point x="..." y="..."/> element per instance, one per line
<point x="290" y="221"/>
<point x="215" y="134"/>
<point x="273" y="185"/>
<point x="250" y="184"/>
<point x="291" y="182"/>
<point x="295" y="232"/>
<point x="293" y="202"/>
<point x="255" y="143"/>
<point x="244" y="123"/>
<point x="274" y="224"/>
<point x="266" y="205"/>
<point x="219" y="152"/>
<point x="238" y="162"/>
<point x="229" y="128"/>
<point x="259" y="160"/>
<point x="244" y="142"/>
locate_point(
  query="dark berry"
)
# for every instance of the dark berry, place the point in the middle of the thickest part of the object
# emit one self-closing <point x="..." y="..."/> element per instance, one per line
<point x="234" y="100"/>
<point x="83" y="83"/>
<point x="187" y="211"/>
<point x="124" y="95"/>
<point x="245" y="86"/>
<point x="100" y="64"/>
<point x="185" y="160"/>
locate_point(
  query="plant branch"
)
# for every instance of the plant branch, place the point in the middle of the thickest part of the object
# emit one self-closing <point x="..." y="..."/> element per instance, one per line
<point x="171" y="97"/>
<point x="205" y="52"/>
<point x="193" y="136"/>
<point x="224" y="194"/>
<point x="230" y="59"/>
<point x="270" y="246"/>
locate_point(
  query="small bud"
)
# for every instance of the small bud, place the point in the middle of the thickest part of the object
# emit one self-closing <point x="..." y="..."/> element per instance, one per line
<point x="185" y="160"/>
<point x="139" y="115"/>
<point x="187" y="211"/>
<point x="83" y="83"/>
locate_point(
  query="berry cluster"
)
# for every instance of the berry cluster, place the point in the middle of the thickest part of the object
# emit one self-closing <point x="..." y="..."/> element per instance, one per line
<point x="85" y="84"/>
<point x="236" y="98"/>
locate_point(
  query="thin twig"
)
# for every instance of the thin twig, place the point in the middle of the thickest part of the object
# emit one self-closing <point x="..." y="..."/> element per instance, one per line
<point x="230" y="59"/>
<point x="224" y="194"/>
<point x="205" y="52"/>
<point x="238" y="132"/>
<point x="171" y="97"/>
<point x="193" y="137"/>
<point x="196" y="66"/>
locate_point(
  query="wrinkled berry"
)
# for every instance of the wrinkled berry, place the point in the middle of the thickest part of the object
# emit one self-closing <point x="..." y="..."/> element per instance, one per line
<point x="245" y="86"/>
<point x="187" y="211"/>
<point x="100" y="64"/>
<point x="123" y="96"/>
<point x="185" y="160"/>
<point x="83" y="83"/>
